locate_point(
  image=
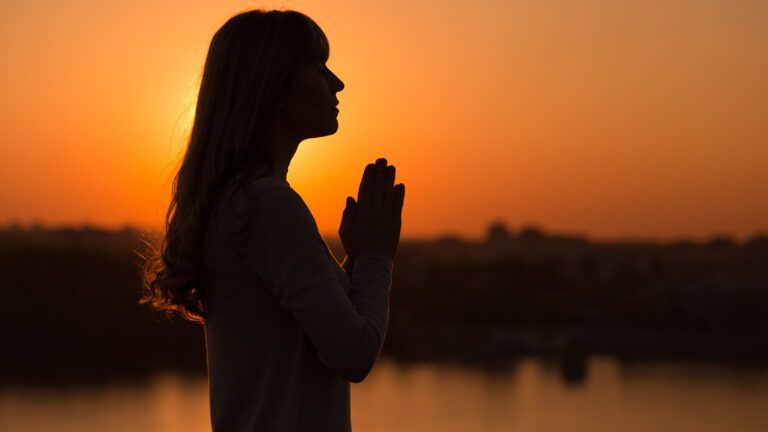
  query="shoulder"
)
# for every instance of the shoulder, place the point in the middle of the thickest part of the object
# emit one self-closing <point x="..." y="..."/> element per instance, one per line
<point x="267" y="193"/>
<point x="265" y="211"/>
<point x="273" y="203"/>
<point x="257" y="191"/>
<point x="260" y="198"/>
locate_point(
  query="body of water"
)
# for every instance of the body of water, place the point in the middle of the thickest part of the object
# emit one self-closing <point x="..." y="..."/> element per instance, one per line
<point x="531" y="395"/>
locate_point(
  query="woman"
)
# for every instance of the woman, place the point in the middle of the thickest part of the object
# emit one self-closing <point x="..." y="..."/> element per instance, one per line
<point x="287" y="327"/>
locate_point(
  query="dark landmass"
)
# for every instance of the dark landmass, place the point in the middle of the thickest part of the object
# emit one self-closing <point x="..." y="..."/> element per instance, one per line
<point x="70" y="303"/>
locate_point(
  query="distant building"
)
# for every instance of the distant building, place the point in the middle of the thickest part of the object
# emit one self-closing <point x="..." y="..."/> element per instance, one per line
<point x="498" y="234"/>
<point x="531" y="233"/>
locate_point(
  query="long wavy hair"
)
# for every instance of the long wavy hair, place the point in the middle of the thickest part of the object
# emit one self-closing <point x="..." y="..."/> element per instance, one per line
<point x="251" y="62"/>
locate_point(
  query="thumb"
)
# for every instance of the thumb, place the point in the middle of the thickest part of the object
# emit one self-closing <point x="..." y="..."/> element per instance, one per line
<point x="350" y="208"/>
<point x="345" y="216"/>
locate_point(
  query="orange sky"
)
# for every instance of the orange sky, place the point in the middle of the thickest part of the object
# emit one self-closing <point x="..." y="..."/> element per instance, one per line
<point x="611" y="119"/>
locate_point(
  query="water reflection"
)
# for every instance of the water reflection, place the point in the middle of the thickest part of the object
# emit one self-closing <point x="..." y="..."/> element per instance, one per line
<point x="530" y="395"/>
<point x="168" y="402"/>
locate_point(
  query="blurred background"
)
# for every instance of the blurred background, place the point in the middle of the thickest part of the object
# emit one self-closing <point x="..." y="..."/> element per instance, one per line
<point x="585" y="235"/>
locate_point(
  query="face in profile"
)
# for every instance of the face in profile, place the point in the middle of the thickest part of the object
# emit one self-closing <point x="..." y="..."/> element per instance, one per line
<point x="309" y="109"/>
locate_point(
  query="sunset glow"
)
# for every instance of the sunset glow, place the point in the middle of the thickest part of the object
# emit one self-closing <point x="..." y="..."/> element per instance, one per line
<point x="608" y="119"/>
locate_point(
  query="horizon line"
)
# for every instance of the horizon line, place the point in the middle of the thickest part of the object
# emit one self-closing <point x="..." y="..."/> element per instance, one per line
<point x="506" y="229"/>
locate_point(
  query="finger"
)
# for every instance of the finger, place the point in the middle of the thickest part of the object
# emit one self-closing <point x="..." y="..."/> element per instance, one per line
<point x="366" y="185"/>
<point x="399" y="199"/>
<point x="352" y="210"/>
<point x="378" y="183"/>
<point x="389" y="187"/>
<point x="345" y="216"/>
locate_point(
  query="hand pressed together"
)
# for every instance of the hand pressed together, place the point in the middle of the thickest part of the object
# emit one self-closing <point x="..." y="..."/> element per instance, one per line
<point x="373" y="222"/>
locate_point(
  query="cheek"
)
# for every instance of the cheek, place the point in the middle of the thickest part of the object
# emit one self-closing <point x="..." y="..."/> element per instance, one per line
<point x="308" y="107"/>
<point x="315" y="91"/>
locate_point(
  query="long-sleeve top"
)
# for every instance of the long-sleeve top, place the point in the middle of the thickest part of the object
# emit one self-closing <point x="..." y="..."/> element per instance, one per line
<point x="286" y="329"/>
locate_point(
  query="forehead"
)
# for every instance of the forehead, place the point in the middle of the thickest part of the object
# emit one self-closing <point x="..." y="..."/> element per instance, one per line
<point x="319" y="48"/>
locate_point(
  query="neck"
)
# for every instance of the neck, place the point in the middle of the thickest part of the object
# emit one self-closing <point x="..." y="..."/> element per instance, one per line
<point x="283" y="148"/>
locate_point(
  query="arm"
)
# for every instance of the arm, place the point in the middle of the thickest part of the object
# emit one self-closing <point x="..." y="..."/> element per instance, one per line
<point x="347" y="331"/>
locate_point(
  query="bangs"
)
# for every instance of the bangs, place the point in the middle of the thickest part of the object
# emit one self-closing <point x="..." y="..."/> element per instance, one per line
<point x="316" y="48"/>
<point x="319" y="49"/>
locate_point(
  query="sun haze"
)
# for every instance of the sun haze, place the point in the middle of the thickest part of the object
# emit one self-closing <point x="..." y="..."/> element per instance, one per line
<point x="610" y="119"/>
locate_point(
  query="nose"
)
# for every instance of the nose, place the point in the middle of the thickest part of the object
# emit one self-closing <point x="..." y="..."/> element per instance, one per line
<point x="337" y="84"/>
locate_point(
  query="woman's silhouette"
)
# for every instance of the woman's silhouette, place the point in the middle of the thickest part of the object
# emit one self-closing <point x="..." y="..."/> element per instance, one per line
<point x="287" y="327"/>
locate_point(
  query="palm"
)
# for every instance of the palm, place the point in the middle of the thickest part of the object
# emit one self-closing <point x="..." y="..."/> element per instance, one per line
<point x="374" y="221"/>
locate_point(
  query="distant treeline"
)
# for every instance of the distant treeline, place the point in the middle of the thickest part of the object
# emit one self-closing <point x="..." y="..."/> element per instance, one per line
<point x="534" y="293"/>
<point x="70" y="302"/>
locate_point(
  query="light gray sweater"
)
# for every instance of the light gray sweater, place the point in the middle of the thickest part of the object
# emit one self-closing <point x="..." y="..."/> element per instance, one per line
<point x="286" y="329"/>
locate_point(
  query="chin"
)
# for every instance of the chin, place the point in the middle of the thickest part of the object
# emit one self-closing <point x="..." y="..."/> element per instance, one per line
<point x="329" y="130"/>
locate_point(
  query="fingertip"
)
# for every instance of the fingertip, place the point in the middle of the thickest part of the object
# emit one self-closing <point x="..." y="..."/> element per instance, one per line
<point x="400" y="194"/>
